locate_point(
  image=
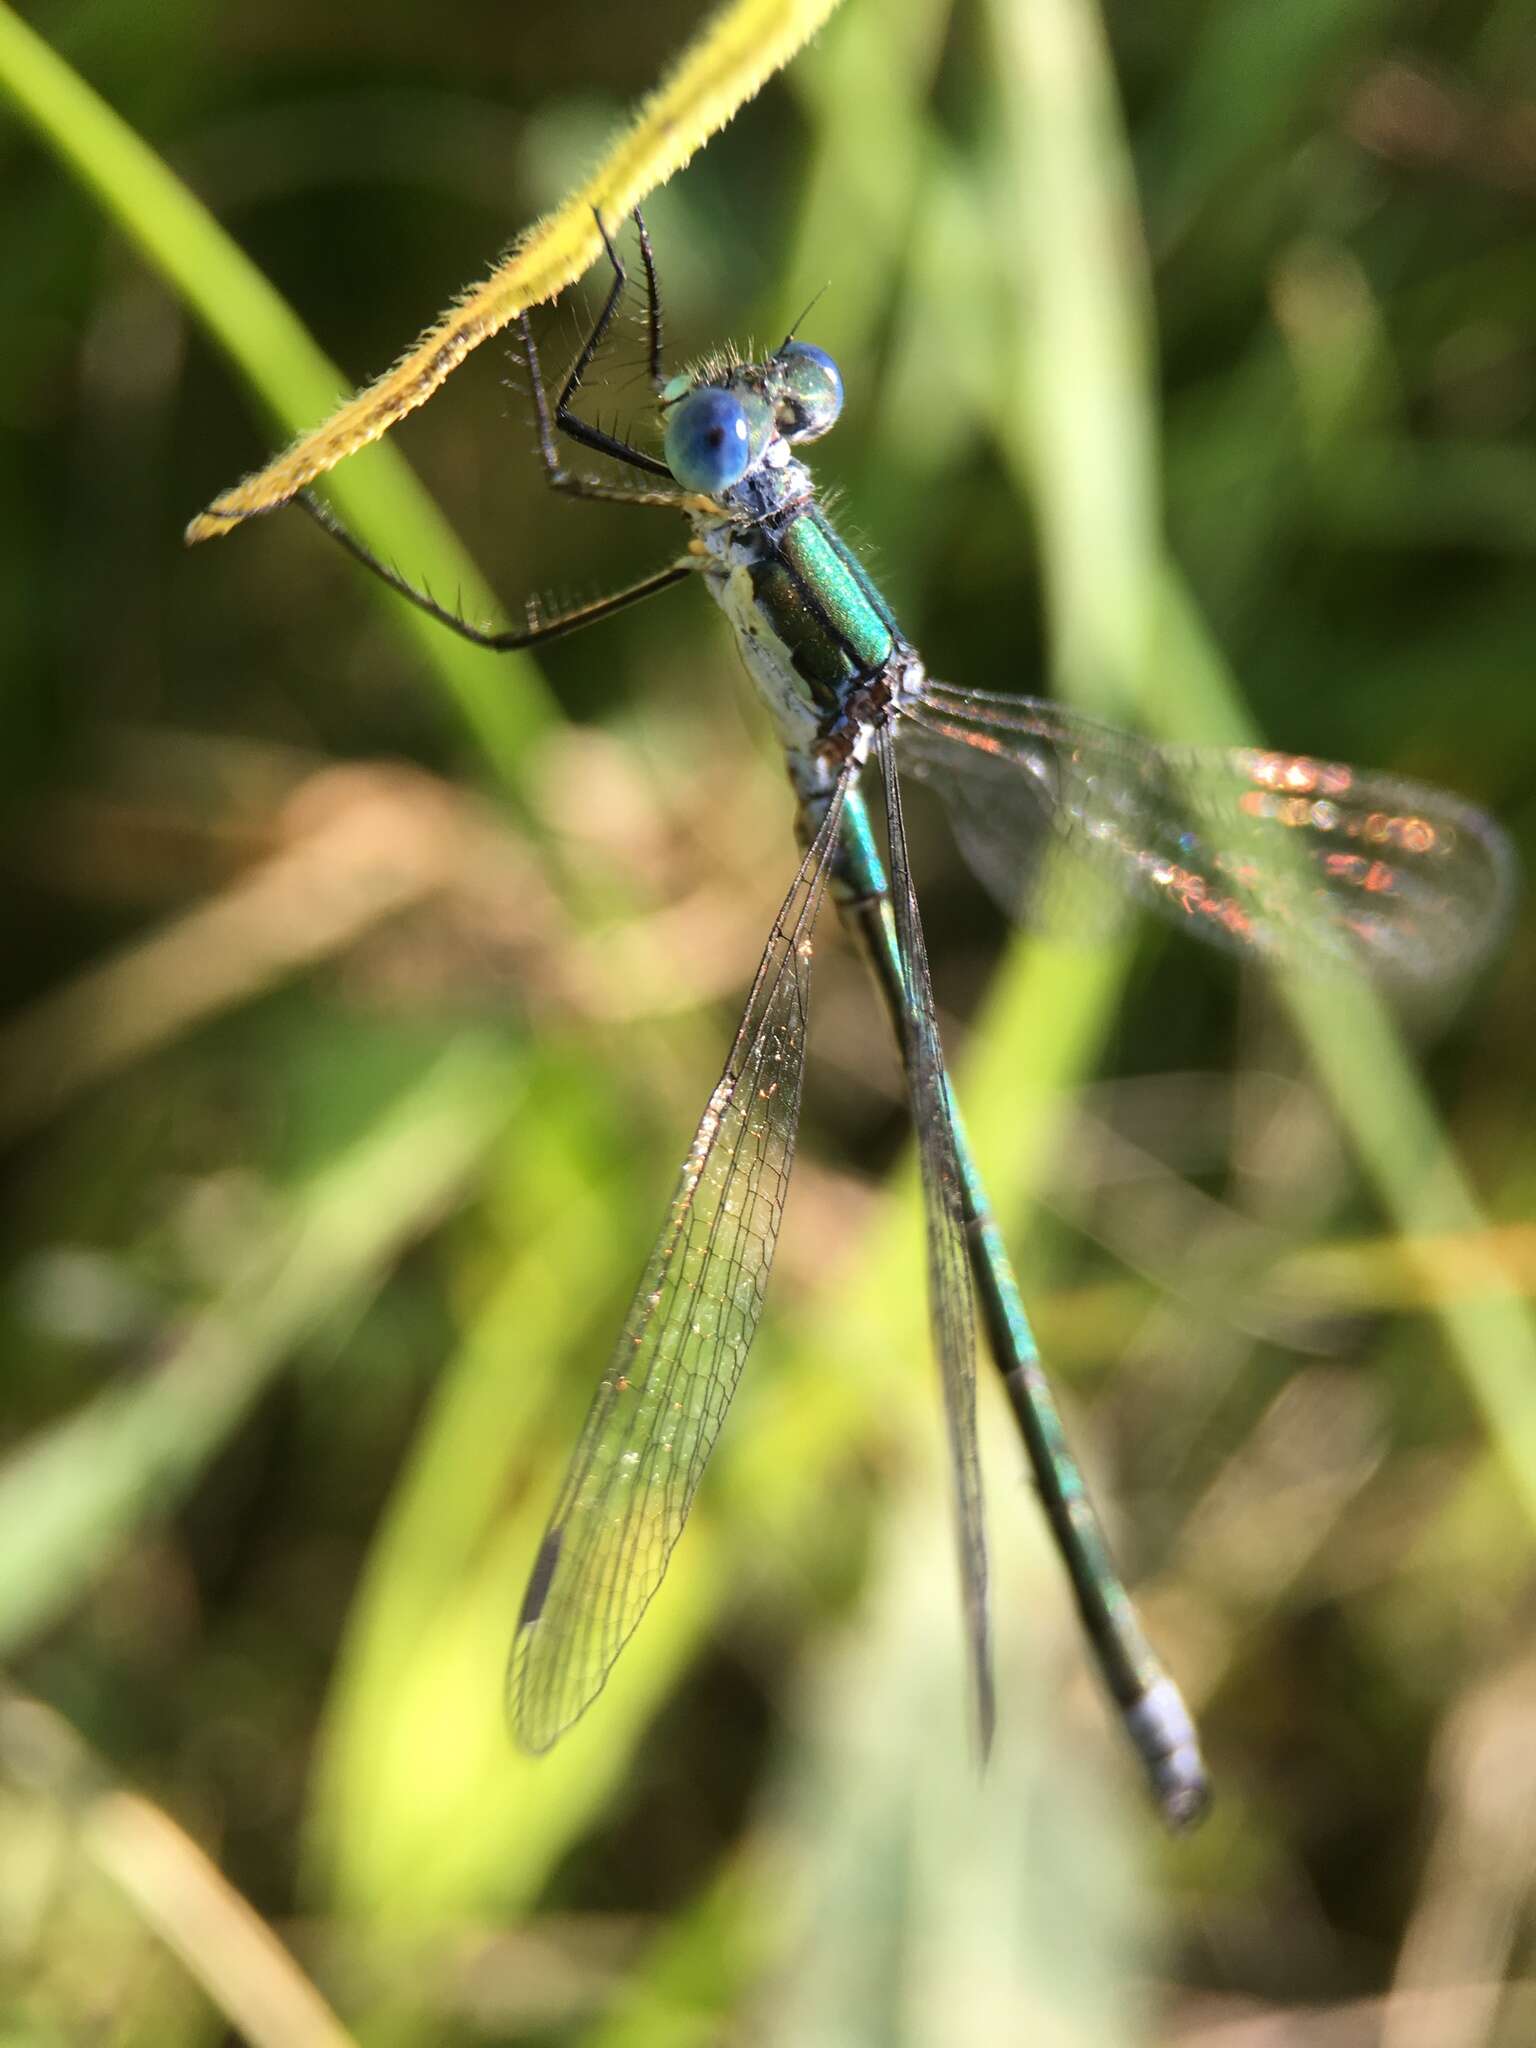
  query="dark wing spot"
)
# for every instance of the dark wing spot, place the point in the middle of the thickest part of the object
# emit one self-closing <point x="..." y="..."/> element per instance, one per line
<point x="538" y="1583"/>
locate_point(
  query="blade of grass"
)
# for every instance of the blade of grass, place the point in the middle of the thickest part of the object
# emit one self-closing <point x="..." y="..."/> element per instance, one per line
<point x="1081" y="431"/>
<point x="1074" y="412"/>
<point x="872" y="67"/>
<point x="502" y="700"/>
<point x="1074" y="284"/>
<point x="70" y="1497"/>
<point x="914" y="1901"/>
<point x="175" y="1887"/>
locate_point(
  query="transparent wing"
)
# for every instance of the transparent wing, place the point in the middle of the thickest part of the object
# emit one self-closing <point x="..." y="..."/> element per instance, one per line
<point x="1277" y="854"/>
<point x="659" y="1406"/>
<point x="949" y="1275"/>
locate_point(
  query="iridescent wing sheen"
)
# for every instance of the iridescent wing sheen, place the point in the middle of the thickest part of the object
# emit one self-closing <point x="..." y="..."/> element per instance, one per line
<point x="949" y="1276"/>
<point x="660" y="1404"/>
<point x="1263" y="852"/>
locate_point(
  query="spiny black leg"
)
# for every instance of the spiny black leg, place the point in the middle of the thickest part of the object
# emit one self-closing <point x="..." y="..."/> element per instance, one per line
<point x="560" y="479"/>
<point x="565" y="419"/>
<point x="502" y="642"/>
<point x="653" y="300"/>
<point x="600" y="325"/>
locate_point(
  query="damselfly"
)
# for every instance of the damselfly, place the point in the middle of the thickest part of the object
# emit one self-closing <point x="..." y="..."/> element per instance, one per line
<point x="1266" y="853"/>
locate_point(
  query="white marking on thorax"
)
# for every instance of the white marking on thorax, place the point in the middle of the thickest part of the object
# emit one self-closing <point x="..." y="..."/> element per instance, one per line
<point x="735" y="550"/>
<point x="731" y="551"/>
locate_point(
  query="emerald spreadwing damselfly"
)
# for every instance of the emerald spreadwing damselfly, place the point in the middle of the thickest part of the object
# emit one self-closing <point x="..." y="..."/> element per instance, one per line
<point x="1268" y="854"/>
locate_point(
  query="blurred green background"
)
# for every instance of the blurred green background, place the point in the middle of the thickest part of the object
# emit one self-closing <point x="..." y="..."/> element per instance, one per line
<point x="352" y="1042"/>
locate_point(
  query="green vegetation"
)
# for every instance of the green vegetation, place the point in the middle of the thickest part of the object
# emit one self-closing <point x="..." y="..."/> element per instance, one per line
<point x="362" y="990"/>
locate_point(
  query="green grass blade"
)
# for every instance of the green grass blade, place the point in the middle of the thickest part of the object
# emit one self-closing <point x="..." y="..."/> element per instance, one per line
<point x="500" y="698"/>
<point x="71" y="1496"/>
<point x="1080" y="298"/>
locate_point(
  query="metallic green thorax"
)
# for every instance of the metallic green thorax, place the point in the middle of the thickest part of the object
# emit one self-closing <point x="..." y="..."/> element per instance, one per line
<point x="812" y="628"/>
<point x="858" y="631"/>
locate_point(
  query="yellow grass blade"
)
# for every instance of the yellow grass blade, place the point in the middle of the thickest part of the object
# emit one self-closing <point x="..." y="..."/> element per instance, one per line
<point x="737" y="52"/>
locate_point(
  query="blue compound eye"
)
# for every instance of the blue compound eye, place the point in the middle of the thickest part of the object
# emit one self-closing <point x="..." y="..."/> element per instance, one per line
<point x="809" y="390"/>
<point x="713" y="437"/>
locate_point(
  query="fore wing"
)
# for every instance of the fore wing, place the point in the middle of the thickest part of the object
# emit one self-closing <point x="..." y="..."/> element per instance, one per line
<point x="1275" y="854"/>
<point x="659" y="1406"/>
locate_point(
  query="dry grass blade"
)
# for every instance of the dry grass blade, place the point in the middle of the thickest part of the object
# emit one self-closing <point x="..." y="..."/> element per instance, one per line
<point x="726" y="65"/>
<point x="171" y="1883"/>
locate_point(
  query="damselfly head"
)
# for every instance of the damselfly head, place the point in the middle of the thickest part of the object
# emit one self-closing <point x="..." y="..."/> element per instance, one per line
<point x="721" y="422"/>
